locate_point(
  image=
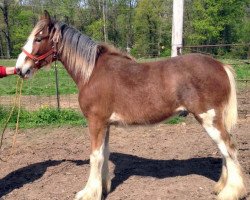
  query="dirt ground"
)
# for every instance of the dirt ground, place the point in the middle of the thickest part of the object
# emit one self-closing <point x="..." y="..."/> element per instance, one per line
<point x="147" y="163"/>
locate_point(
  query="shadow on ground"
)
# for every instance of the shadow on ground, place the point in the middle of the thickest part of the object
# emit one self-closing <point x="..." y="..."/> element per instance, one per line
<point x="125" y="166"/>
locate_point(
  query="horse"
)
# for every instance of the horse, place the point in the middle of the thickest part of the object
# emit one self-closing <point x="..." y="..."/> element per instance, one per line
<point x="114" y="89"/>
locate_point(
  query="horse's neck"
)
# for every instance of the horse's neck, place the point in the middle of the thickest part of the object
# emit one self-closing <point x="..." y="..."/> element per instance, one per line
<point x="70" y="71"/>
<point x="79" y="64"/>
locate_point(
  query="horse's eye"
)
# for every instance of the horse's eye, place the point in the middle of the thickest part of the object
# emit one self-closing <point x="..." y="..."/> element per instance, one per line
<point x="38" y="39"/>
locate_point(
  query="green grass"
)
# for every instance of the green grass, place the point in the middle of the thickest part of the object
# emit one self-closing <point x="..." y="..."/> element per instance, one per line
<point x="242" y="68"/>
<point x="42" y="117"/>
<point x="175" y="120"/>
<point x="43" y="82"/>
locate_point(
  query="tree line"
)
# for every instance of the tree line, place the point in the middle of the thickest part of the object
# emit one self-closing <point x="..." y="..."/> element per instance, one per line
<point x="142" y="27"/>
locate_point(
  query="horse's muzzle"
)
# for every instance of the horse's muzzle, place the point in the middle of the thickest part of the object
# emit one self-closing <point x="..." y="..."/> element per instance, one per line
<point x="21" y="74"/>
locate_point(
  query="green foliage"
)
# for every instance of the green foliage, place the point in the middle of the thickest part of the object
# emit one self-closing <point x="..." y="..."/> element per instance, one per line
<point x="152" y="27"/>
<point x="143" y="25"/>
<point x="244" y="31"/>
<point x="166" y="52"/>
<point x="42" y="117"/>
<point x="95" y="29"/>
<point x="214" y="21"/>
<point x="175" y="120"/>
<point x="23" y="25"/>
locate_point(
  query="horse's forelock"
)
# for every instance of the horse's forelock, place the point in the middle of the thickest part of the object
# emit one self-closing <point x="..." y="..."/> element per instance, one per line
<point x="41" y="24"/>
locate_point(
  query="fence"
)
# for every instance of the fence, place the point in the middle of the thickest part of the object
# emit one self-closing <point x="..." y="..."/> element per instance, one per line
<point x="55" y="88"/>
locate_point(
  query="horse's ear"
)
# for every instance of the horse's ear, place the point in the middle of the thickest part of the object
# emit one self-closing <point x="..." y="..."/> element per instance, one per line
<point x="45" y="16"/>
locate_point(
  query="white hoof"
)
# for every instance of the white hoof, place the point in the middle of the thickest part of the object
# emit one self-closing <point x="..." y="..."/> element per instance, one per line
<point x="232" y="192"/>
<point x="89" y="194"/>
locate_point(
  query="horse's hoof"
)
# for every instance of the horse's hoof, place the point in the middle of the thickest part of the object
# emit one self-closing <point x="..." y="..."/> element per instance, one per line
<point x="232" y="193"/>
<point x="88" y="195"/>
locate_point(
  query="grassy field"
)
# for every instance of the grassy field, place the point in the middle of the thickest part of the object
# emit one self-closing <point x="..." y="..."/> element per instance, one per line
<point x="43" y="83"/>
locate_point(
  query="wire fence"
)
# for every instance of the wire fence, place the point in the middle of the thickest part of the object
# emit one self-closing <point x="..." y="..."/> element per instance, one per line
<point x="55" y="88"/>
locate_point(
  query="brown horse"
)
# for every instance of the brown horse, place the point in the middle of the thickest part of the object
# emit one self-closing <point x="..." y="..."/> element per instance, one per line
<point x="115" y="89"/>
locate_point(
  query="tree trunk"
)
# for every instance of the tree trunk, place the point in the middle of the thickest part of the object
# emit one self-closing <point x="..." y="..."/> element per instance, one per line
<point x="129" y="26"/>
<point x="1" y="45"/>
<point x="5" y="10"/>
<point x="104" y="20"/>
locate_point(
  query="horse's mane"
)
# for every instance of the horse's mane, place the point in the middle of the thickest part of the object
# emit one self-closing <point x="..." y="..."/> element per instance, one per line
<point x="80" y="51"/>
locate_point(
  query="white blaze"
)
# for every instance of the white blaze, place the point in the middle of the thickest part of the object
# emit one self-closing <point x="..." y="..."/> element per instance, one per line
<point x="20" y="63"/>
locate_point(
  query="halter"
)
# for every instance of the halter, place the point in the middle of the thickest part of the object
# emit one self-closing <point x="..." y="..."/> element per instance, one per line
<point x="37" y="59"/>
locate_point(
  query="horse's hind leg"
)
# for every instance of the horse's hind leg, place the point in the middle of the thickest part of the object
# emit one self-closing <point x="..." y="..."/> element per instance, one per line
<point x="231" y="184"/>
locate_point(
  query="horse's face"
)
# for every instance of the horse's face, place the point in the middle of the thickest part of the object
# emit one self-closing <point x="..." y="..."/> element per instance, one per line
<point x="38" y="50"/>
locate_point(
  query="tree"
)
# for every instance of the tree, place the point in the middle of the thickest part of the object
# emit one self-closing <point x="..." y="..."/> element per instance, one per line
<point x="213" y="21"/>
<point x="119" y="17"/>
<point x="142" y="25"/>
<point x="4" y="7"/>
<point x="152" y="26"/>
<point x="22" y="24"/>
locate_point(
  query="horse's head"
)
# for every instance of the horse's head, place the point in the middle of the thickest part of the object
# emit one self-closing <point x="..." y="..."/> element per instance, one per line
<point x="39" y="49"/>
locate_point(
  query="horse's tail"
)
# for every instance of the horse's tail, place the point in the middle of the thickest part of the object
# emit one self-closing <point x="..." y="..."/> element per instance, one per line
<point x="230" y="110"/>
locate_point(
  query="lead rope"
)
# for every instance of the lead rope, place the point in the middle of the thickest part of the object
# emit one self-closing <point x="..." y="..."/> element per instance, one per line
<point x="19" y="86"/>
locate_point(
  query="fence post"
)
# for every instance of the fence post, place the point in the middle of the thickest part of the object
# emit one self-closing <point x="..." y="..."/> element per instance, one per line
<point x="57" y="88"/>
<point x="177" y="26"/>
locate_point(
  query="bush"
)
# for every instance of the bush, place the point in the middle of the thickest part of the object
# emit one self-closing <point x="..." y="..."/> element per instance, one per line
<point x="166" y="52"/>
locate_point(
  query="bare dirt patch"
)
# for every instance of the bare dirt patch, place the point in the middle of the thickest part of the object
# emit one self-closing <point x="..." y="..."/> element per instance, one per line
<point x="157" y="162"/>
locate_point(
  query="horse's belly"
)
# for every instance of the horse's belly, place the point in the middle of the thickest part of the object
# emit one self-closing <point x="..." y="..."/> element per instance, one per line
<point x="126" y="118"/>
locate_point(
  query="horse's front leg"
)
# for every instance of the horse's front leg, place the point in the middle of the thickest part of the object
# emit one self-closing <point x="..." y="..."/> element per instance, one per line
<point x="98" y="163"/>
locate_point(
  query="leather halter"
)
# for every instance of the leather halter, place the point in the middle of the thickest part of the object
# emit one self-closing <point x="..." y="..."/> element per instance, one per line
<point x="37" y="59"/>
